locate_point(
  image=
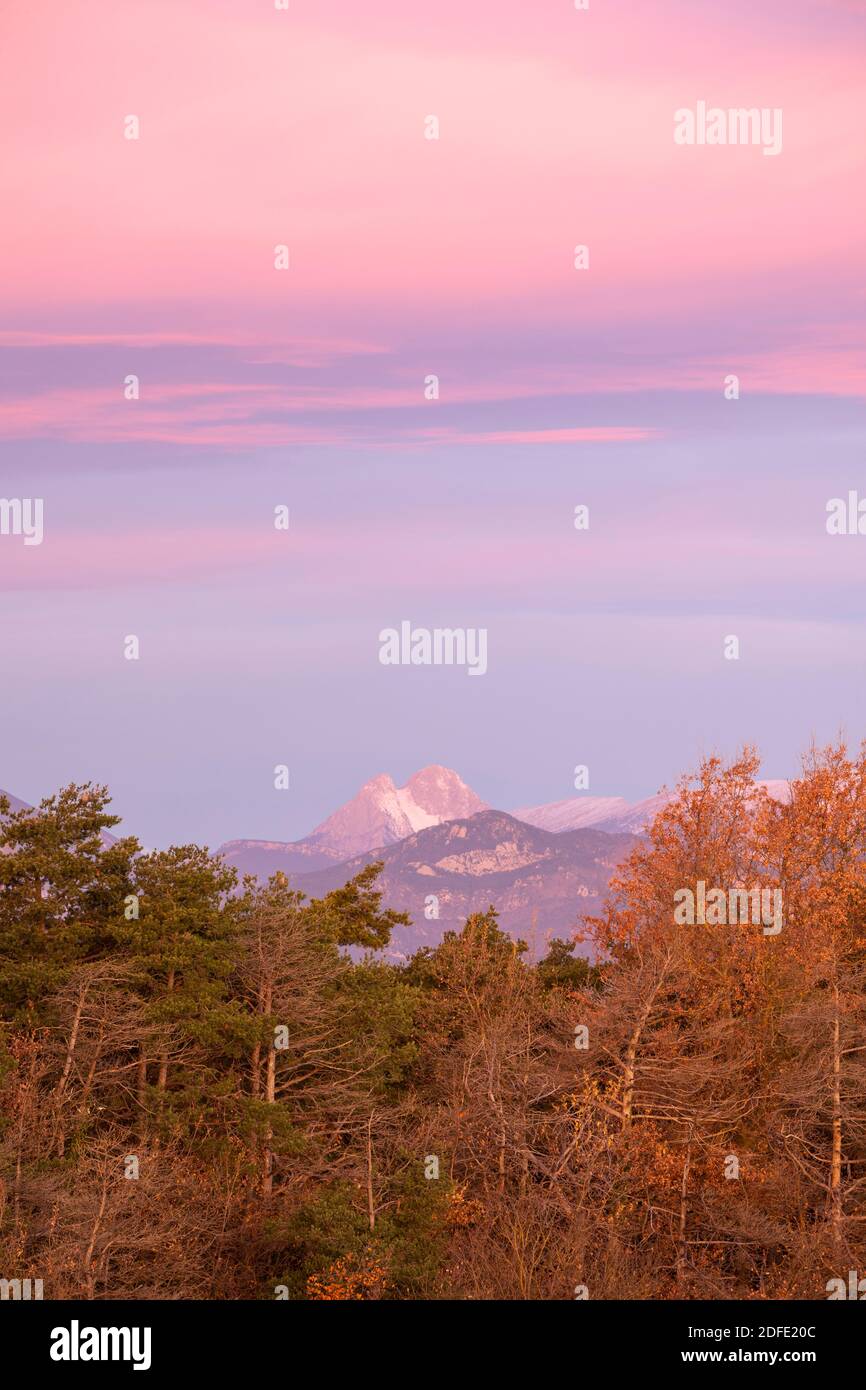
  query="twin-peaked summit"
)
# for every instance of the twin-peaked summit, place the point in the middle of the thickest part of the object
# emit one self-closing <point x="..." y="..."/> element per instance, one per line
<point x="380" y="814"/>
<point x="383" y="813"/>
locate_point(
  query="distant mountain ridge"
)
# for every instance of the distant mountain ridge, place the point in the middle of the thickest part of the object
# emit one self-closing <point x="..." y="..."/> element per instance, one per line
<point x="380" y="814"/>
<point x="614" y="813"/>
<point x="446" y="854"/>
<point x="541" y="883"/>
<point x="16" y="804"/>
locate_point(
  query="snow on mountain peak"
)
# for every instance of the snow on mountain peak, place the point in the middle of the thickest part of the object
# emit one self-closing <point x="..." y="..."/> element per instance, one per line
<point x="574" y="814"/>
<point x="612" y="813"/>
<point x="439" y="791"/>
<point x="383" y="813"/>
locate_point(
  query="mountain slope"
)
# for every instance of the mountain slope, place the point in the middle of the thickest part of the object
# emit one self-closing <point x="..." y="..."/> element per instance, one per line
<point x="489" y="858"/>
<point x="380" y="814"/>
<point x="446" y="855"/>
<point x="574" y="814"/>
<point x="15" y="803"/>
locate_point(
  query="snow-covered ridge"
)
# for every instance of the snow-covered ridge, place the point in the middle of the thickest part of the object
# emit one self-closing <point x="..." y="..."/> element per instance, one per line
<point x="614" y="813"/>
<point x="573" y="814"/>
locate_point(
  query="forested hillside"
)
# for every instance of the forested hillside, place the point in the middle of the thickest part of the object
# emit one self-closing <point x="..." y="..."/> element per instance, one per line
<point x="206" y="1095"/>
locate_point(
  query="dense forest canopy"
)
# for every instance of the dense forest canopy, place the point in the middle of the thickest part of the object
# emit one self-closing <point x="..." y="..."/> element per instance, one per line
<point x="213" y="1089"/>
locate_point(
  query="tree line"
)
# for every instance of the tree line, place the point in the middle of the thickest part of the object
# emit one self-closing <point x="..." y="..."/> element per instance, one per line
<point x="223" y="1090"/>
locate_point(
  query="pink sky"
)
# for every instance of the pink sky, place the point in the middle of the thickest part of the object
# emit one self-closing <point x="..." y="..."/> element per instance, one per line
<point x="411" y="257"/>
<point x="260" y="127"/>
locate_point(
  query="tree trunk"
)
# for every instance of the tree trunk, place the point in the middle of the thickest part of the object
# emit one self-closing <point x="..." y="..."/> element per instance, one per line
<point x="67" y="1066"/>
<point x="163" y="1061"/>
<point x="73" y="1040"/>
<point x="88" y="1256"/>
<point x="682" y="1245"/>
<point x="631" y="1056"/>
<point x="256" y="1059"/>
<point x="270" y="1093"/>
<point x="836" y="1153"/>
<point x="91" y="1074"/>
<point x="26" y="1101"/>
<point x="370" y="1207"/>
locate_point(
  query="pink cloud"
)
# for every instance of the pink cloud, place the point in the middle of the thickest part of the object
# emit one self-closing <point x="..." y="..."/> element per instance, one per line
<point x="579" y="434"/>
<point x="228" y="415"/>
<point x="307" y="352"/>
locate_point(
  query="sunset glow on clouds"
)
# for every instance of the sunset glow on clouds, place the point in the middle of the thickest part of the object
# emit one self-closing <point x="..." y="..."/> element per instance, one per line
<point x="259" y="127"/>
<point x="411" y="257"/>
